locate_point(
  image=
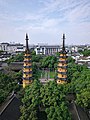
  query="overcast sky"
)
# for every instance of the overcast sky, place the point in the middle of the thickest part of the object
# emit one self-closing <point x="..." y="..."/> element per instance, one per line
<point x="45" y="21"/>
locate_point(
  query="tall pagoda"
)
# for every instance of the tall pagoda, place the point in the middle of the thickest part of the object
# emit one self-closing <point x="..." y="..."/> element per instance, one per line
<point x="62" y="65"/>
<point x="27" y="67"/>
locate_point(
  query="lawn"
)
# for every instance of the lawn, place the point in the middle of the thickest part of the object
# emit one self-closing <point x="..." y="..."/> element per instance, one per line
<point x="47" y="74"/>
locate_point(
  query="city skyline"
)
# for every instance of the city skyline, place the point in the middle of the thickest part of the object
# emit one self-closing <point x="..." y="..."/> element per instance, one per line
<point x="45" y="21"/>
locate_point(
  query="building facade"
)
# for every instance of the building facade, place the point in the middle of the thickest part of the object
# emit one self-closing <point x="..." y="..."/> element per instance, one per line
<point x="12" y="48"/>
<point x="47" y="49"/>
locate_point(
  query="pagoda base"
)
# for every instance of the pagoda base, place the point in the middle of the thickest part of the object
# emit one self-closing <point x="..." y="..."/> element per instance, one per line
<point x="26" y="82"/>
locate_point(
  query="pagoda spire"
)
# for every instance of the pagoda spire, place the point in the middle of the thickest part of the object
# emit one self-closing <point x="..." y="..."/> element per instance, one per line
<point x="63" y="48"/>
<point x="27" y="48"/>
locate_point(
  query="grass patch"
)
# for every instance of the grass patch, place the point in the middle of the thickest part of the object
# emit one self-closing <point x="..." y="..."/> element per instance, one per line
<point x="47" y="74"/>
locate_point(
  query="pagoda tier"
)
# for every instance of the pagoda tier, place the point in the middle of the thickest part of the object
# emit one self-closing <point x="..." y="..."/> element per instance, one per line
<point x="63" y="79"/>
<point x="63" y="56"/>
<point x="27" y="67"/>
<point x="63" y="61"/>
<point x="62" y="65"/>
<point x="63" y="73"/>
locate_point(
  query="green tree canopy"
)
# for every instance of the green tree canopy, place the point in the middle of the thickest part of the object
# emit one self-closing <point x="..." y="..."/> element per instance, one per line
<point x="31" y="101"/>
<point x="49" y="98"/>
<point x="85" y="52"/>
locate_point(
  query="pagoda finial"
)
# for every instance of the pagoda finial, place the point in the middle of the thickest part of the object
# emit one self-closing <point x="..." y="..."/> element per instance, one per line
<point x="63" y="48"/>
<point x="27" y="41"/>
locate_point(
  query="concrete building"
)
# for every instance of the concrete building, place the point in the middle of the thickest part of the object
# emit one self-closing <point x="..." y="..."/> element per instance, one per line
<point x="47" y="49"/>
<point x="83" y="61"/>
<point x="12" y="48"/>
<point x="39" y="49"/>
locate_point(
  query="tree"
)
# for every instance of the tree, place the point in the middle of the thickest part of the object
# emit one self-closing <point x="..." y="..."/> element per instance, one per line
<point x="83" y="98"/>
<point x="36" y="71"/>
<point x="36" y="58"/>
<point x="18" y="58"/>
<point x="71" y="60"/>
<point x="49" y="62"/>
<point x="31" y="101"/>
<point x="85" y="52"/>
<point x="53" y="100"/>
<point x="7" y="84"/>
<point x="80" y="83"/>
<point x="49" y="98"/>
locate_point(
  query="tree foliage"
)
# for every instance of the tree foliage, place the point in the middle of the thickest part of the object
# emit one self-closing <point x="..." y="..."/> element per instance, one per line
<point x="53" y="99"/>
<point x="83" y="97"/>
<point x="31" y="101"/>
<point x="85" y="52"/>
<point x="8" y="83"/>
<point x="80" y="83"/>
<point x="49" y="98"/>
<point x="17" y="58"/>
<point x="49" y="62"/>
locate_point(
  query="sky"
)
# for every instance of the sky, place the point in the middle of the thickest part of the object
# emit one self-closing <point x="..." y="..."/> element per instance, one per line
<point x="45" y="21"/>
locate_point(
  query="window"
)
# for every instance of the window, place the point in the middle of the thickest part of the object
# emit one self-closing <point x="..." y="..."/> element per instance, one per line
<point x="59" y="81"/>
<point x="60" y="69"/>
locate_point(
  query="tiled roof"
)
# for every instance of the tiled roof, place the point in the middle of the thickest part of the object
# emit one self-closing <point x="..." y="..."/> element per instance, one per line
<point x="12" y="111"/>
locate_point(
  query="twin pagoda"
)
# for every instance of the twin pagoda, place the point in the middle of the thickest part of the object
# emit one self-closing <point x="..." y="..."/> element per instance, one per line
<point x="27" y="67"/>
<point x="61" y="68"/>
<point x="62" y="65"/>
